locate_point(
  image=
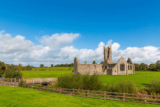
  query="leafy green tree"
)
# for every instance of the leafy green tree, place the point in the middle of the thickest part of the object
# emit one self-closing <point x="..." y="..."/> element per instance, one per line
<point x="94" y="62"/>
<point x="158" y="65"/>
<point x="158" y="62"/>
<point x="142" y="67"/>
<point x="2" y="68"/>
<point x="28" y="67"/>
<point x="102" y="62"/>
<point x="51" y="65"/>
<point x="153" y="67"/>
<point x="20" y="65"/>
<point x="11" y="73"/>
<point x="41" y="65"/>
<point x="137" y="67"/>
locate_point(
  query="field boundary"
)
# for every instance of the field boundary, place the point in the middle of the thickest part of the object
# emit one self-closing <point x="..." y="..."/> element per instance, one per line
<point x="14" y="84"/>
<point x="140" y="98"/>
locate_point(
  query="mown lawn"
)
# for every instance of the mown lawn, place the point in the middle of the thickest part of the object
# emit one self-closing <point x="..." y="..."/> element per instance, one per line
<point x="22" y="97"/>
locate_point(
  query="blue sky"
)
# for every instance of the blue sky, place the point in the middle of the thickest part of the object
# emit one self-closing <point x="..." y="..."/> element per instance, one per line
<point x="130" y="23"/>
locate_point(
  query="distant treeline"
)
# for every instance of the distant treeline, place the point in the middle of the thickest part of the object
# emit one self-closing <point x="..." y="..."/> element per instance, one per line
<point x="64" y="65"/>
<point x="11" y="70"/>
<point x="145" y="67"/>
<point x="58" y="65"/>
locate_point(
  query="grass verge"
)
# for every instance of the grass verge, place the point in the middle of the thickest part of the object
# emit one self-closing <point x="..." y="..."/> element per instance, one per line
<point x="22" y="97"/>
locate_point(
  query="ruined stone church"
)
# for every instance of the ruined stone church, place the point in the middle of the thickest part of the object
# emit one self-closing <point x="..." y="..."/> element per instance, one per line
<point x="122" y="67"/>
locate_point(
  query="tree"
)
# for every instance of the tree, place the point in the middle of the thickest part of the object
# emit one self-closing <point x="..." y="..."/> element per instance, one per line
<point x="20" y="65"/>
<point x="158" y="62"/>
<point x="137" y="67"/>
<point x="146" y="66"/>
<point x="28" y="67"/>
<point x="51" y="65"/>
<point x="158" y="65"/>
<point x="41" y="65"/>
<point x="66" y="65"/>
<point x="102" y="62"/>
<point x="94" y="62"/>
<point x="11" y="73"/>
<point x="142" y="64"/>
<point x="142" y="67"/>
<point x="153" y="67"/>
<point x="2" y="68"/>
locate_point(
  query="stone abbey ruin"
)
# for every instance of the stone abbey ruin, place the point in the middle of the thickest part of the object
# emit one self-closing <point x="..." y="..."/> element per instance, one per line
<point x="122" y="67"/>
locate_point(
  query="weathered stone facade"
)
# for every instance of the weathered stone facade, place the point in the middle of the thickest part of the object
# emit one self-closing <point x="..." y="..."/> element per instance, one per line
<point x="122" y="67"/>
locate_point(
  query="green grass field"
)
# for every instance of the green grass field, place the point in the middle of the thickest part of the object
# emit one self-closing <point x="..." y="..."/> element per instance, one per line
<point x="53" y="72"/>
<point x="140" y="78"/>
<point x="22" y="97"/>
<point x="51" y="68"/>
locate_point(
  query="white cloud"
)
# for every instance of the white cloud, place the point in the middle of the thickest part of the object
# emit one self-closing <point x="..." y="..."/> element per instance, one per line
<point x="18" y="50"/>
<point x="8" y="44"/>
<point x="58" y="40"/>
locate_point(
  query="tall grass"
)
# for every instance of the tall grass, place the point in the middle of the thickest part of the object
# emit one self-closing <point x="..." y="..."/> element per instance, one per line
<point x="154" y="87"/>
<point x="92" y="82"/>
<point x="78" y="81"/>
<point x="126" y="87"/>
<point x="121" y="87"/>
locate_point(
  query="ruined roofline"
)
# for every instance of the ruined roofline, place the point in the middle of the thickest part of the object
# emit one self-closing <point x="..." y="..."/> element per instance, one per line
<point x="90" y="64"/>
<point x="129" y="60"/>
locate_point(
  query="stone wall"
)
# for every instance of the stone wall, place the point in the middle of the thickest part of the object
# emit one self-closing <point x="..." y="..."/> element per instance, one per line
<point x="90" y="69"/>
<point x="114" y="70"/>
<point x="40" y="80"/>
<point x="122" y="63"/>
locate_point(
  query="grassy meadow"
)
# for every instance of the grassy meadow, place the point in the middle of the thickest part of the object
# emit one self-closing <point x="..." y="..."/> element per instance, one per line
<point x="51" y="72"/>
<point x="23" y="97"/>
<point x="140" y="78"/>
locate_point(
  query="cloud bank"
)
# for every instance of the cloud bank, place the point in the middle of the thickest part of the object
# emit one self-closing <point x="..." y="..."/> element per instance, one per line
<point x="55" y="49"/>
<point x="58" y="40"/>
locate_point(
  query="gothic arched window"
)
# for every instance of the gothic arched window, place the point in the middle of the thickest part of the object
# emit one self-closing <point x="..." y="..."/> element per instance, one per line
<point x="122" y="66"/>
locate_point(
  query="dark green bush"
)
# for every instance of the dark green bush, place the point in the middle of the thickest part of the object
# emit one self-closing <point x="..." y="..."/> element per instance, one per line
<point x="121" y="87"/>
<point x="126" y="87"/>
<point x="28" y="68"/>
<point x="108" y="88"/>
<point x="0" y="74"/>
<point x="2" y="68"/>
<point x="92" y="82"/>
<point x="154" y="87"/>
<point x="78" y="81"/>
<point x="21" y="81"/>
<point x="11" y="73"/>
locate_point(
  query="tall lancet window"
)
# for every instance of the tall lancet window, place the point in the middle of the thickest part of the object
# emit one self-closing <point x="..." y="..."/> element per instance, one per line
<point x="122" y="66"/>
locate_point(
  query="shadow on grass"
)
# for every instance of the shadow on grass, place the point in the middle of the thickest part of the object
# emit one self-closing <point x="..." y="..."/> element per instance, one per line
<point x="146" y="85"/>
